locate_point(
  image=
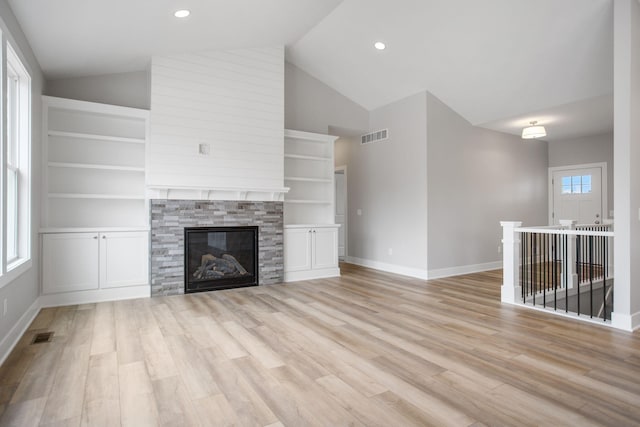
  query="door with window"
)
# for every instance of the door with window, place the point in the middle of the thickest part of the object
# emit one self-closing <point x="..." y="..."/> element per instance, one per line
<point x="577" y="195"/>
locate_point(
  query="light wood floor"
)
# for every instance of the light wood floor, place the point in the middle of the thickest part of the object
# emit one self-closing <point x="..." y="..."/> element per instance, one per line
<point x="365" y="349"/>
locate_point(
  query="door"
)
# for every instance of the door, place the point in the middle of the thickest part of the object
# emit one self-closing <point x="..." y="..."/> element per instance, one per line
<point x="325" y="245"/>
<point x="124" y="259"/>
<point x="69" y="262"/>
<point x="577" y="195"/>
<point x="341" y="207"/>
<point x="297" y="249"/>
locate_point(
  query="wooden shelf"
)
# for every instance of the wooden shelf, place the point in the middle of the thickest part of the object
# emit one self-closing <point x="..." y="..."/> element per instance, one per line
<point x="95" y="196"/>
<point x="304" y="157"/>
<point x="79" y="135"/>
<point x="302" y="179"/>
<point x="96" y="166"/>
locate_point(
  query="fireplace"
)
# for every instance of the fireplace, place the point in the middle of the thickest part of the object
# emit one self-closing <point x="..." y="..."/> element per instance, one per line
<point x="220" y="258"/>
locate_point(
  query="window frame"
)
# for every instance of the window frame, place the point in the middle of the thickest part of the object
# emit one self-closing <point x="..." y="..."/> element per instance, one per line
<point x="15" y="159"/>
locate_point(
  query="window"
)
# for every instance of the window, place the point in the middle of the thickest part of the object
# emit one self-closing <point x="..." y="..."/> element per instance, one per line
<point x="576" y="184"/>
<point x="16" y="210"/>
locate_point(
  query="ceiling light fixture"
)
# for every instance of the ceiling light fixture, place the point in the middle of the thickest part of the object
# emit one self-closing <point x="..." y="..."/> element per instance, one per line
<point x="379" y="45"/>
<point x="182" y="13"/>
<point x="533" y="131"/>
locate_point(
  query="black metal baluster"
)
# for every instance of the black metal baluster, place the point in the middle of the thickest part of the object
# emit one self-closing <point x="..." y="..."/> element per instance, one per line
<point x="534" y="237"/>
<point x="578" y="246"/>
<point x="591" y="277"/>
<point x="604" y="277"/>
<point x="555" y="272"/>
<point x="565" y="263"/>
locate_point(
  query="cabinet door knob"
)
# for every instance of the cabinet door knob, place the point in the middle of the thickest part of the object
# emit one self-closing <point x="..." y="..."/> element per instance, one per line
<point x="104" y="237"/>
<point x="95" y="237"/>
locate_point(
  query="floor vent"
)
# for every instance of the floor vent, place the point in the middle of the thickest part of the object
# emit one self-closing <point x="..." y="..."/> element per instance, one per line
<point x="42" y="337"/>
<point x="377" y="136"/>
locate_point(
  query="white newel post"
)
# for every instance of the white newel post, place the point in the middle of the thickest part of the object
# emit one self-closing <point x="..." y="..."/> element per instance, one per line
<point x="570" y="224"/>
<point x="510" y="261"/>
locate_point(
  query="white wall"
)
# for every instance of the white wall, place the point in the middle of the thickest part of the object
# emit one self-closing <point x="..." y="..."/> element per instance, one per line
<point x="584" y="150"/>
<point x="312" y="106"/>
<point x="21" y="294"/>
<point x="125" y="89"/>
<point x="476" y="178"/>
<point x="387" y="182"/>
<point x="231" y="100"/>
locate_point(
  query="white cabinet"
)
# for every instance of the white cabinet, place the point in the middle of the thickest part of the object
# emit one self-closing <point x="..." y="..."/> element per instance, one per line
<point x="95" y="218"/>
<point x="124" y="259"/>
<point x="69" y="262"/>
<point x="310" y="235"/>
<point x="93" y="261"/>
<point x="310" y="252"/>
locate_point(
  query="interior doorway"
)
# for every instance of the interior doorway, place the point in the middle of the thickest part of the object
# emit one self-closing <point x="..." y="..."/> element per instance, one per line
<point x="340" y="179"/>
<point x="578" y="192"/>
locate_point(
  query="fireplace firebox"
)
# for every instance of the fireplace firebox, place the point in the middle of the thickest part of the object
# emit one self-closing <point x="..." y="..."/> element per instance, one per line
<point x="220" y="258"/>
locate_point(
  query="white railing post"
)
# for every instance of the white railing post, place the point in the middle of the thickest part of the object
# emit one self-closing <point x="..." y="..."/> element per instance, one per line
<point x="510" y="290"/>
<point x="570" y="262"/>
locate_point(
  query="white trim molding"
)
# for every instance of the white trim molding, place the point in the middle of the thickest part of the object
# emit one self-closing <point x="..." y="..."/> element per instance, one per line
<point x="95" y="295"/>
<point x="419" y="273"/>
<point x="626" y="322"/>
<point x="464" y="269"/>
<point x="205" y="193"/>
<point x="389" y="268"/>
<point x="9" y="342"/>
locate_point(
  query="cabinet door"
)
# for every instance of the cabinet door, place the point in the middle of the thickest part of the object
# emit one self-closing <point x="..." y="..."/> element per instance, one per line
<point x="297" y="249"/>
<point x="124" y="259"/>
<point x="325" y="247"/>
<point x="69" y="262"/>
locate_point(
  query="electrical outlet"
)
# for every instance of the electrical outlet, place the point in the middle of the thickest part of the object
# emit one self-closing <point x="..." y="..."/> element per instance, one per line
<point x="204" y="149"/>
<point x="390" y="251"/>
<point x="359" y="212"/>
<point x="4" y="309"/>
<point x="499" y="248"/>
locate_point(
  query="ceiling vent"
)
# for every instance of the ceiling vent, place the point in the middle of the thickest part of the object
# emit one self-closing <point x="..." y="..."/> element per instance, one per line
<point x="377" y="136"/>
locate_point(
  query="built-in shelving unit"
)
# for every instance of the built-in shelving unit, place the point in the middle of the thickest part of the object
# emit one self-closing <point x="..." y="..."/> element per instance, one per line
<point x="95" y="219"/>
<point x="310" y="234"/>
<point x="94" y="165"/>
<point x="308" y="172"/>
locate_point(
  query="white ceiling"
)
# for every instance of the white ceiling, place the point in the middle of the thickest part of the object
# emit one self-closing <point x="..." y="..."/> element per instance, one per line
<point x="74" y="38"/>
<point x="499" y="63"/>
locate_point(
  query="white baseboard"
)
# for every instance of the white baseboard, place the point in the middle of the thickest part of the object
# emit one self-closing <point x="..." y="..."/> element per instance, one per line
<point x="295" y="276"/>
<point x="9" y="342"/>
<point x="626" y="322"/>
<point x="97" y="295"/>
<point x="424" y="274"/>
<point x="464" y="269"/>
<point x="389" y="268"/>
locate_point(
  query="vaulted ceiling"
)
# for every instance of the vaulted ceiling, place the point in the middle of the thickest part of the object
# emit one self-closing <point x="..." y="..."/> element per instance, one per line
<point x="499" y="63"/>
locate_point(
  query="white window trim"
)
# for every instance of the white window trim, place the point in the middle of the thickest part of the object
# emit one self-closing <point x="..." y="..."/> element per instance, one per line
<point x="11" y="269"/>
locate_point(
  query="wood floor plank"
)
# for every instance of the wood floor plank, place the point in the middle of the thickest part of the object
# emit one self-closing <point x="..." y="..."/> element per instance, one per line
<point x="367" y="348"/>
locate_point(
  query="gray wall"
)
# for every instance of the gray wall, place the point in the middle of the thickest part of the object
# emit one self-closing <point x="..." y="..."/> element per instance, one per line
<point x="588" y="149"/>
<point x="23" y="292"/>
<point x="387" y="181"/>
<point x="125" y="89"/>
<point x="476" y="178"/>
<point x="312" y="106"/>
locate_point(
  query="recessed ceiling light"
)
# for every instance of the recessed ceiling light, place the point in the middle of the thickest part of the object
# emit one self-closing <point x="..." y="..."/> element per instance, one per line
<point x="379" y="45"/>
<point x="182" y="13"/>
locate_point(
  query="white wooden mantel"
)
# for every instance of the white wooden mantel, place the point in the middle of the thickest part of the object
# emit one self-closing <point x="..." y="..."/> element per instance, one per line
<point x="226" y="193"/>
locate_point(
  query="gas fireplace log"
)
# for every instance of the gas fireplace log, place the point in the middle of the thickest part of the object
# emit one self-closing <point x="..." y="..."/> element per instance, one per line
<point x="235" y="262"/>
<point x="213" y="267"/>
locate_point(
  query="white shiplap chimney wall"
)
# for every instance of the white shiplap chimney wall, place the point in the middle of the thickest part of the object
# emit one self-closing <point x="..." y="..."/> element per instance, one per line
<point x="232" y="102"/>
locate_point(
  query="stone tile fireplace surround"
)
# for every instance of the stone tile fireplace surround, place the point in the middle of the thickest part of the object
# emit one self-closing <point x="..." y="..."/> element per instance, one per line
<point x="170" y="217"/>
